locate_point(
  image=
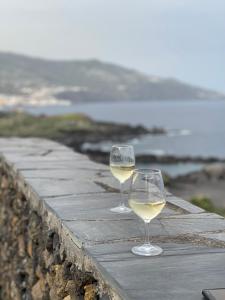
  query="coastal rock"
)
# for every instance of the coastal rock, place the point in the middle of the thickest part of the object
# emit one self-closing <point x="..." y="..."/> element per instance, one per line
<point x="206" y="183"/>
<point x="105" y="132"/>
<point x="103" y="157"/>
<point x="216" y="171"/>
<point x="72" y="130"/>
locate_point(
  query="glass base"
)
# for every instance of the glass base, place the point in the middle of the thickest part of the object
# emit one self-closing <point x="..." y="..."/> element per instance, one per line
<point x="122" y="209"/>
<point x="147" y="250"/>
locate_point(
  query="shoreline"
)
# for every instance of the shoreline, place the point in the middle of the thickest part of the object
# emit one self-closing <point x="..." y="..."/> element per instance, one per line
<point x="74" y="130"/>
<point x="208" y="182"/>
<point x="102" y="157"/>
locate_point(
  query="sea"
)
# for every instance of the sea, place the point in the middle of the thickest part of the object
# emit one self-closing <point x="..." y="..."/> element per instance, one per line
<point x="194" y="127"/>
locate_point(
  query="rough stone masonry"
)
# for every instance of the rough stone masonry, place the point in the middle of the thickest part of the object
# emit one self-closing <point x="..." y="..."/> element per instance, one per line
<point x="34" y="263"/>
<point x="59" y="239"/>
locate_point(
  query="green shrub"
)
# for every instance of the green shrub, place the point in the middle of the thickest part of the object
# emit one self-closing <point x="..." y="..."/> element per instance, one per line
<point x="166" y="179"/>
<point x="207" y="204"/>
<point x="26" y="125"/>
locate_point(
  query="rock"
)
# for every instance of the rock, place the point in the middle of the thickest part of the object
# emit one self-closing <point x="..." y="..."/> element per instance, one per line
<point x="33" y="261"/>
<point x="53" y="294"/>
<point x="38" y="290"/>
<point x="102" y="131"/>
<point x="90" y="292"/>
<point x="71" y="287"/>
<point x="39" y="273"/>
<point x="21" y="245"/>
<point x="29" y="248"/>
<point x="48" y="259"/>
<point x="15" y="221"/>
<point x="34" y="226"/>
<point x="49" y="241"/>
<point x="216" y="171"/>
<point x="14" y="293"/>
<point x="56" y="249"/>
<point x="4" y="183"/>
<point x="103" y="157"/>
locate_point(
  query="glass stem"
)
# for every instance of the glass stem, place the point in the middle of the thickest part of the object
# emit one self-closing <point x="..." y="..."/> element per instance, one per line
<point x="121" y="195"/>
<point x="147" y="239"/>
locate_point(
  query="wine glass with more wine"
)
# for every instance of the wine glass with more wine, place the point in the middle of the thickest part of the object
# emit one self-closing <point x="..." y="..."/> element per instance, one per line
<point x="147" y="199"/>
<point x="122" y="163"/>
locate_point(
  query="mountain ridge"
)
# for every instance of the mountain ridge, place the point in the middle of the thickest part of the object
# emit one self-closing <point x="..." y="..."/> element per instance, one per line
<point x="36" y="79"/>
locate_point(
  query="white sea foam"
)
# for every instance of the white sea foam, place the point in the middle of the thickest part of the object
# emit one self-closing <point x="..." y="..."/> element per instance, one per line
<point x="105" y="147"/>
<point x="185" y="132"/>
<point x="158" y="152"/>
<point x="134" y="141"/>
<point x="178" y="132"/>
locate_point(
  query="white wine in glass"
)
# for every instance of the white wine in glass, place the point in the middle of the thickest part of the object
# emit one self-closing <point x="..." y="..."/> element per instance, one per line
<point x="122" y="173"/>
<point x="147" y="211"/>
<point x="122" y="163"/>
<point x="147" y="199"/>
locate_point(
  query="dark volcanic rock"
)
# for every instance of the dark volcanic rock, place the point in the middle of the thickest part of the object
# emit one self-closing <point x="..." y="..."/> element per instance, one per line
<point x="102" y="157"/>
<point x="106" y="132"/>
<point x="210" y="173"/>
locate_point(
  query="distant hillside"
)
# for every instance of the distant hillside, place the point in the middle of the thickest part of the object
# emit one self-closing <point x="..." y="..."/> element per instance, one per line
<point x="30" y="79"/>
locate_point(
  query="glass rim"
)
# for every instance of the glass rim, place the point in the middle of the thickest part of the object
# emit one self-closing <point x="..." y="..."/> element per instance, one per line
<point x="122" y="145"/>
<point x="147" y="171"/>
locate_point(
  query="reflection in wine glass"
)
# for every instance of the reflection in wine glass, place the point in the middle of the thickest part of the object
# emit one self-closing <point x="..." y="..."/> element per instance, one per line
<point x="122" y="162"/>
<point x="147" y="200"/>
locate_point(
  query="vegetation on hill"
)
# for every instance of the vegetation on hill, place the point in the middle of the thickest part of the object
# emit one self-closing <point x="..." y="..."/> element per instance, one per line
<point x="70" y="129"/>
<point x="26" y="125"/>
<point x="88" y="80"/>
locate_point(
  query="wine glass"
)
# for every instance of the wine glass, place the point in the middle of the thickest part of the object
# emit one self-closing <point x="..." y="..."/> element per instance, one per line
<point x="122" y="162"/>
<point x="147" y="199"/>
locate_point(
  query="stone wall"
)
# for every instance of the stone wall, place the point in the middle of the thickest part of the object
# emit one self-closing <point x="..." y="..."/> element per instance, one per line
<point x="33" y="261"/>
<point x="59" y="239"/>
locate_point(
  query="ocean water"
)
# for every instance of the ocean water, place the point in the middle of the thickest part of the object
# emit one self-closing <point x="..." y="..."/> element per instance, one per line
<point x="195" y="127"/>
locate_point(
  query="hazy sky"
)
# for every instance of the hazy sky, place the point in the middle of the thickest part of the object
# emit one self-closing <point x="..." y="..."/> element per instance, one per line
<point x="179" y="38"/>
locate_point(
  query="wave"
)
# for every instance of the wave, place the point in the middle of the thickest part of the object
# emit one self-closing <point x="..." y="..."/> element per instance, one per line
<point x="104" y="147"/>
<point x="157" y="152"/>
<point x="179" y="132"/>
<point x="134" y="141"/>
<point x="185" y="132"/>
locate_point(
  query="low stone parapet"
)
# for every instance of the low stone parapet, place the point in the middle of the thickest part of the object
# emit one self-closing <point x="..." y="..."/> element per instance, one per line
<point x="59" y="239"/>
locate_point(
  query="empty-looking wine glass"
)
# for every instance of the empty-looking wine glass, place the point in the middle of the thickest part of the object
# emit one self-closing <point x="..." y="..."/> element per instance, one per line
<point x="122" y="162"/>
<point x="147" y="200"/>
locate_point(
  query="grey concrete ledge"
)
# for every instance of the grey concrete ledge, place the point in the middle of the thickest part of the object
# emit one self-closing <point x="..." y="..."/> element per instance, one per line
<point x="74" y="194"/>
